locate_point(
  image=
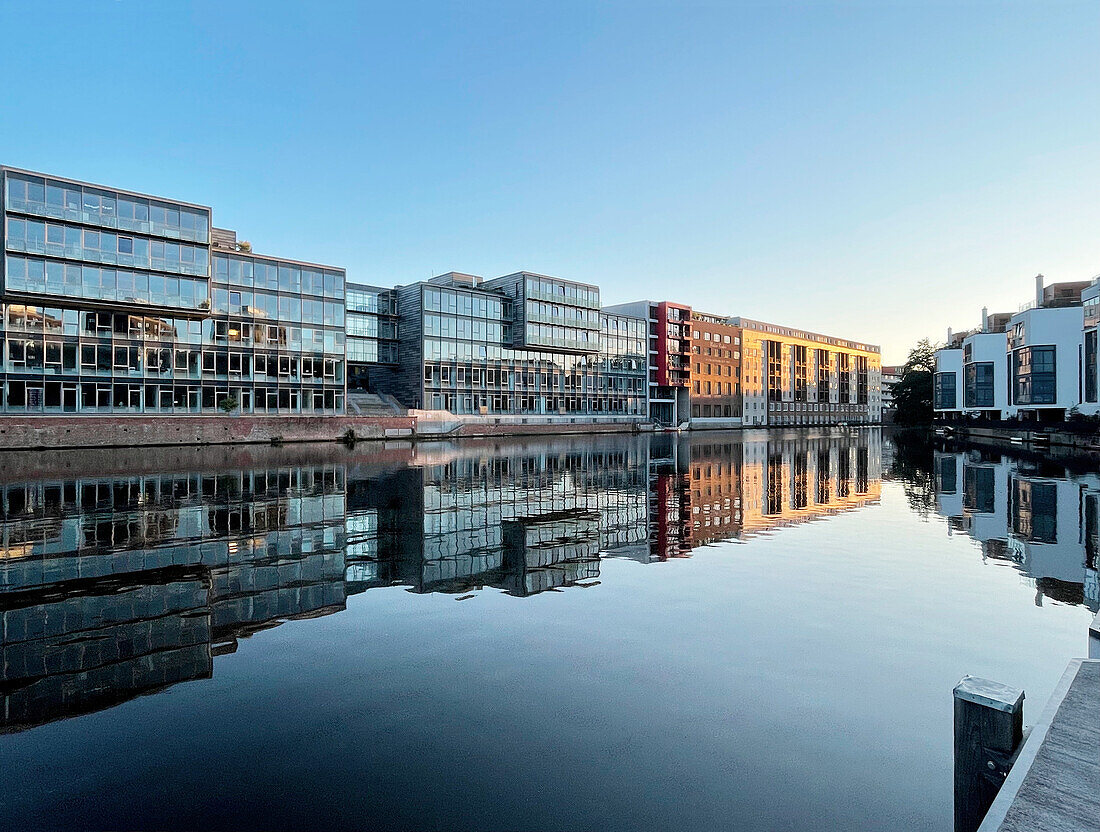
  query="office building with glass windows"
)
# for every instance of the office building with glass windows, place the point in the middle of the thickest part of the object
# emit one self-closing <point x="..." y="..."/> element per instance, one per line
<point x="119" y="302"/>
<point x="371" y="325"/>
<point x="668" y="335"/>
<point x="471" y="346"/>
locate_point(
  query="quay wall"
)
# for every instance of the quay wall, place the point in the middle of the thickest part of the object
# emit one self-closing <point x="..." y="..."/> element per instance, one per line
<point x="117" y="431"/>
<point x="1052" y="443"/>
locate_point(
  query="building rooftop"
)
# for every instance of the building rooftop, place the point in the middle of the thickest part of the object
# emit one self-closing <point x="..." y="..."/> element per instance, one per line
<point x="791" y="332"/>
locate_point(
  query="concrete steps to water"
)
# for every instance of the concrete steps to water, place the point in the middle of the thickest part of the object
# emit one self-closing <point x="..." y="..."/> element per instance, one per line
<point x="373" y="404"/>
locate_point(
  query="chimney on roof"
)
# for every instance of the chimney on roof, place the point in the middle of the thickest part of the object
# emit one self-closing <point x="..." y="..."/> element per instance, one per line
<point x="1038" y="291"/>
<point x="985" y="319"/>
<point x="949" y="334"/>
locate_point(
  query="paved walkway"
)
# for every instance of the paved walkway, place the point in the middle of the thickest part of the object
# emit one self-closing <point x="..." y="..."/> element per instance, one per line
<point x="1055" y="783"/>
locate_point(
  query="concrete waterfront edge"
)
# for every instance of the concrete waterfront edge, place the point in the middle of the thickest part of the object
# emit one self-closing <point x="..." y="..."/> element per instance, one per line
<point x="57" y="432"/>
<point x="998" y="809"/>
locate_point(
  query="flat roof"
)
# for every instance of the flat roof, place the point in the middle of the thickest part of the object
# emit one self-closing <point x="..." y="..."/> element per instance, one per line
<point x="214" y="250"/>
<point x="749" y="323"/>
<point x="525" y="273"/>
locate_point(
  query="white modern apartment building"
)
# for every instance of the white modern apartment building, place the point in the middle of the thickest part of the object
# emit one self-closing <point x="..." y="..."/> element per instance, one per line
<point x="985" y="361"/>
<point x="947" y="381"/>
<point x="1030" y="365"/>
<point x="1090" y="307"/>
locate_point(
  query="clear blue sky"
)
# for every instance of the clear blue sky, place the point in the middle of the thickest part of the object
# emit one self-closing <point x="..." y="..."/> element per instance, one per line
<point x="873" y="170"/>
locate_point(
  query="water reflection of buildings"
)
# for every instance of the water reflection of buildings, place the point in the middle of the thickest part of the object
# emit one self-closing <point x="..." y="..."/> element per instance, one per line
<point x="112" y="588"/>
<point x="1037" y="516"/>
<point x="115" y="586"/>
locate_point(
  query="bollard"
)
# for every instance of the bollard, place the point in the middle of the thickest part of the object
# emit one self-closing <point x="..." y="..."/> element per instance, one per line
<point x="1094" y="638"/>
<point x="989" y="724"/>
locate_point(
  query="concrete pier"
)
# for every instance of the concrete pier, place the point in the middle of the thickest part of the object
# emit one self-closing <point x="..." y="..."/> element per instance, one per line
<point x="1054" y="784"/>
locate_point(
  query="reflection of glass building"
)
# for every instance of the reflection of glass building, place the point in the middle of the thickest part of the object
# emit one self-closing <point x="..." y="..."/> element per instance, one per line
<point x="114" y="585"/>
<point x="523" y="344"/>
<point x="116" y="302"/>
<point x="520" y="521"/>
<point x="1039" y="517"/>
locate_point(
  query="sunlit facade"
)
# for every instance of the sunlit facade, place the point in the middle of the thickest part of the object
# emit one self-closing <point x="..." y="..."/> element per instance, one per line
<point x="793" y="377"/>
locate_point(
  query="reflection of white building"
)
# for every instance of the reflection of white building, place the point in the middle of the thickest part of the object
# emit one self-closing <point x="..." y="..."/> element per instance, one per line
<point x="1048" y="525"/>
<point x="985" y="500"/>
<point x="949" y="478"/>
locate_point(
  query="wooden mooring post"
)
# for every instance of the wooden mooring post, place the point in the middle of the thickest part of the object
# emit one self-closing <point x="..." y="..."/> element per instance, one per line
<point x="989" y="727"/>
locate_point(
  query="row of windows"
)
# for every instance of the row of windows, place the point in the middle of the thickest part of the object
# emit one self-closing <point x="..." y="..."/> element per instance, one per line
<point x="536" y="405"/>
<point x="128" y="397"/>
<point x="466" y="303"/>
<point x="507" y="379"/>
<point x="369" y="351"/>
<point x="707" y="336"/>
<point x="69" y="241"/>
<point x="290" y="307"/>
<point x="719" y="410"/>
<point x="545" y="288"/>
<point x="94" y="206"/>
<point x="468" y="329"/>
<point x="363" y="326"/>
<point x="119" y="325"/>
<point x="34" y="355"/>
<point x="714" y="369"/>
<point x="556" y="313"/>
<point x="563" y="337"/>
<point x="444" y="350"/>
<point x="630" y="327"/>
<point x="52" y="277"/>
<point x="716" y="388"/>
<point x="364" y="300"/>
<point x="258" y="273"/>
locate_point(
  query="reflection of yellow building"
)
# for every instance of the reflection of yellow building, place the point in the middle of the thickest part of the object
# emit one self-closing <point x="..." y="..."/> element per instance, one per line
<point x="742" y="488"/>
<point x="795" y="480"/>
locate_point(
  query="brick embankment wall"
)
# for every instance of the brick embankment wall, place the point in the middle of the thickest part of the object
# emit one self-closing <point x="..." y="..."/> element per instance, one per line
<point x="22" y="432"/>
<point x="58" y="432"/>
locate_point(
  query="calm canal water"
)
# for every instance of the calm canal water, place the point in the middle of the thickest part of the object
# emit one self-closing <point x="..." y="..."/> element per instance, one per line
<point x="723" y="631"/>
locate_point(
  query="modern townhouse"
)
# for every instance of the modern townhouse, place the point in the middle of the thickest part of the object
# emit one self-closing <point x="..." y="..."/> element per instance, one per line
<point x="1032" y="365"/>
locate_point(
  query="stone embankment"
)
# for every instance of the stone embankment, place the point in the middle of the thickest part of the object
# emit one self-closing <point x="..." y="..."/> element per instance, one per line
<point x="31" y="432"/>
<point x="1056" y="444"/>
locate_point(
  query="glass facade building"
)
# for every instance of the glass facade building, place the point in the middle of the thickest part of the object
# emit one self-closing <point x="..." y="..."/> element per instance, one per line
<point x="371" y="325"/>
<point x="116" y="302"/>
<point x="472" y="348"/>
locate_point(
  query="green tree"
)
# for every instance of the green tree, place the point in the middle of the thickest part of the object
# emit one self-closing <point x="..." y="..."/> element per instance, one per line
<point x="913" y="391"/>
<point x="228" y="404"/>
